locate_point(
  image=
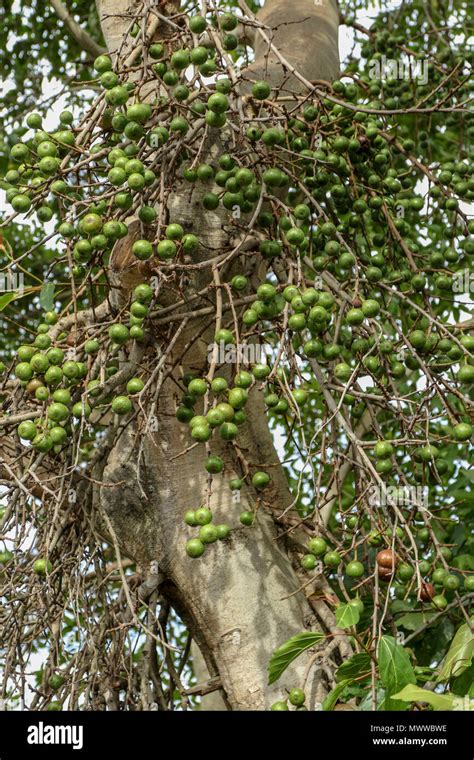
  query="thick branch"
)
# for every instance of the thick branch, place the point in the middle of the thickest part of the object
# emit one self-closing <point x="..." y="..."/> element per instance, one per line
<point x="80" y="35"/>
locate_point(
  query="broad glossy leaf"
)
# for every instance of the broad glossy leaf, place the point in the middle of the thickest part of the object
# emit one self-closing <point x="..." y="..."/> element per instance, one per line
<point x="347" y="616"/>
<point x="355" y="666"/>
<point x="333" y="696"/>
<point x="459" y="655"/>
<point x="413" y="693"/>
<point x="289" y="651"/>
<point x="413" y="620"/>
<point x="395" y="668"/>
<point x="464" y="684"/>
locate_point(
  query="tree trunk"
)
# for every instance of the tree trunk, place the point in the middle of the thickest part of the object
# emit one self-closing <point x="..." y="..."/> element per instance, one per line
<point x="243" y="598"/>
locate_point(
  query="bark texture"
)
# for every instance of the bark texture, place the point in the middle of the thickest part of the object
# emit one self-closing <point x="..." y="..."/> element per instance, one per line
<point x="305" y="34"/>
<point x="242" y="599"/>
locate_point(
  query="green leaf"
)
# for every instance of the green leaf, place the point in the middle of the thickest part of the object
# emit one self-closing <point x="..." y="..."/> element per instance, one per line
<point x="459" y="655"/>
<point x="413" y="620"/>
<point x="354" y="667"/>
<point x="333" y="696"/>
<point x="402" y="605"/>
<point x="463" y="684"/>
<point x="365" y="705"/>
<point x="47" y="296"/>
<point x="13" y="295"/>
<point x="395" y="668"/>
<point x="412" y="693"/>
<point x="435" y="642"/>
<point x="289" y="651"/>
<point x="347" y="615"/>
<point x="6" y="299"/>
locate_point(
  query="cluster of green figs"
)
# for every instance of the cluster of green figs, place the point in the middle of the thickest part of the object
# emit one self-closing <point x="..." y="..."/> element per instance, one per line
<point x="335" y="174"/>
<point x="62" y="387"/>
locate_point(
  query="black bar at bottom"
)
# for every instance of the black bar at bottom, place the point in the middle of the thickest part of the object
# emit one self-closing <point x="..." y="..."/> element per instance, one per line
<point x="134" y="734"/>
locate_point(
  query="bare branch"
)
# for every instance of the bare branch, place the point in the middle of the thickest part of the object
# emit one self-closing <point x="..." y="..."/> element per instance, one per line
<point x="80" y="35"/>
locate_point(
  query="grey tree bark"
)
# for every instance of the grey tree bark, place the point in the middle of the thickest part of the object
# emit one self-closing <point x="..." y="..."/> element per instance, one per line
<point x="244" y="598"/>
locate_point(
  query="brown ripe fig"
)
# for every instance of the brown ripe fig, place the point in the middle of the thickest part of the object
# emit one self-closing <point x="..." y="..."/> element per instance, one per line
<point x="427" y="592"/>
<point x="33" y="385"/>
<point x="385" y="573"/>
<point x="386" y="558"/>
